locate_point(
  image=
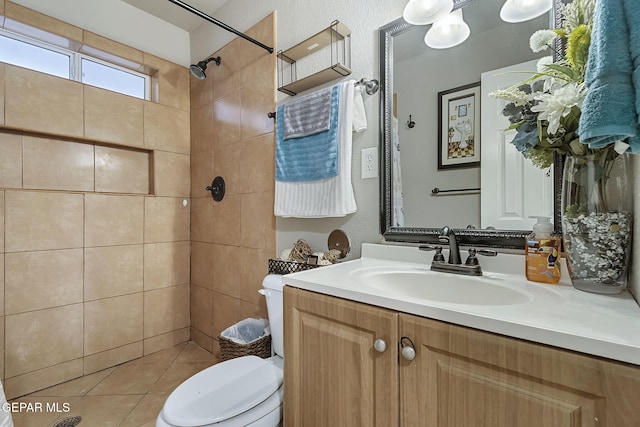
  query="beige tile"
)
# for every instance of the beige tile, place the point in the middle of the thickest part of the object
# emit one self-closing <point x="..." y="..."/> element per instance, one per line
<point x="2" y="6"/>
<point x="163" y="341"/>
<point x="229" y="164"/>
<point x="112" y="322"/>
<point x="202" y="264"/>
<point x="166" y="310"/>
<point x="201" y="173"/>
<point x="252" y="310"/>
<point x="201" y="309"/>
<point x="202" y="220"/>
<point x="112" y="271"/>
<point x="260" y="154"/>
<point x="201" y="91"/>
<point x="202" y="134"/>
<point x="42" y="378"/>
<point x="166" y="128"/>
<point x="258" y="224"/>
<point x="228" y="212"/>
<point x="226" y="312"/>
<point x="202" y="340"/>
<point x="145" y="412"/>
<point x="106" y="359"/>
<point x="130" y="379"/>
<point x="44" y="417"/>
<point x="113" y="220"/>
<point x="256" y="98"/>
<point x="166" y="264"/>
<point x="253" y="265"/>
<point x="171" y="174"/>
<point x="39" y="20"/>
<point x="113" y="117"/>
<point x="2" y="341"/>
<point x="228" y="275"/>
<point x="2" y="93"/>
<point x="10" y="160"/>
<point x="57" y="165"/>
<point x="78" y="387"/>
<point x="193" y="353"/>
<point x="166" y="356"/>
<point x="227" y="119"/>
<point x="226" y="79"/>
<point x="176" y="374"/>
<point x="173" y="81"/>
<point x="1" y="221"/>
<point x="104" y="411"/>
<point x="42" y="279"/>
<point x="40" y="339"/>
<point x="261" y="67"/>
<point x="166" y="219"/>
<point x="41" y="102"/>
<point x="122" y="171"/>
<point x="108" y="45"/>
<point x="41" y="221"/>
<point x="2" y="291"/>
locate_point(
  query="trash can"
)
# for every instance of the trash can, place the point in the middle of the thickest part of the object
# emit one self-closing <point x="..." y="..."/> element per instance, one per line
<point x="248" y="337"/>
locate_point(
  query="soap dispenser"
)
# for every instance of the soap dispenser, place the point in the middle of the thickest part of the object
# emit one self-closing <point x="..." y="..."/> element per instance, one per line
<point x="542" y="253"/>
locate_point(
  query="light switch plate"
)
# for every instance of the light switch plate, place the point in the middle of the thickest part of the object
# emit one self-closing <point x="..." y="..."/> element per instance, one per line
<point x="370" y="162"/>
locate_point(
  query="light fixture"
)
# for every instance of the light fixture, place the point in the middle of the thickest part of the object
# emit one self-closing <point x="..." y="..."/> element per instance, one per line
<point x="523" y="10"/>
<point x="423" y="12"/>
<point x="198" y="70"/>
<point x="448" y="31"/>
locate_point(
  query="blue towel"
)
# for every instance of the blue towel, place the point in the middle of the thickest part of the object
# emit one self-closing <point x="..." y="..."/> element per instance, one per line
<point x="311" y="157"/>
<point x="611" y="108"/>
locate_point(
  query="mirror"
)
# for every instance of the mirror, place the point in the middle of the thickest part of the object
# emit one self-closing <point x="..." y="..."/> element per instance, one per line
<point x="416" y="200"/>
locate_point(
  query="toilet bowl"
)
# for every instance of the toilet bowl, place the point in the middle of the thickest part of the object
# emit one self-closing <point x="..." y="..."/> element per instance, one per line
<point x="246" y="391"/>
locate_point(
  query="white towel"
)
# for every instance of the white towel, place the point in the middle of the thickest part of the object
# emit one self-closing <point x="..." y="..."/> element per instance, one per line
<point x="330" y="197"/>
<point x="5" y="416"/>
<point x="359" y="115"/>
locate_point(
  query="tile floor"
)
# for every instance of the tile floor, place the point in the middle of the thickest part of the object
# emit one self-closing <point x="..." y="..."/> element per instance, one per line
<point x="128" y="395"/>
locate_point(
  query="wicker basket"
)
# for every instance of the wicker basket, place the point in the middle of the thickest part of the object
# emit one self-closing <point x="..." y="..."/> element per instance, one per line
<point x="230" y="349"/>
<point x="278" y="266"/>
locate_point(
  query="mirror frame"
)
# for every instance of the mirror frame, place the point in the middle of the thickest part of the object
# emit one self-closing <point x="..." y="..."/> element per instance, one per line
<point x="510" y="239"/>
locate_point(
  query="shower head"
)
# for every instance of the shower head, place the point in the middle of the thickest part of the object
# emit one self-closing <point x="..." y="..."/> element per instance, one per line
<point x="198" y="69"/>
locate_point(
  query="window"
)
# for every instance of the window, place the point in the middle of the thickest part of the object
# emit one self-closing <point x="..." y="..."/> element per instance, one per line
<point x="39" y="56"/>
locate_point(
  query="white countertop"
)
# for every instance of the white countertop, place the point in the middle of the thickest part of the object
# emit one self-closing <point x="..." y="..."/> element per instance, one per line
<point x="557" y="315"/>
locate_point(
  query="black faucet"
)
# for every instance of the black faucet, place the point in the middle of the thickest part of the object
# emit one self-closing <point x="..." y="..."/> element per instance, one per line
<point x="448" y="236"/>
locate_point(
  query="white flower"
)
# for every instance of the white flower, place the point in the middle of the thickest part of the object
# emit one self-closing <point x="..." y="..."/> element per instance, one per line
<point x="541" y="40"/>
<point x="558" y="104"/>
<point x="514" y="95"/>
<point x="542" y="63"/>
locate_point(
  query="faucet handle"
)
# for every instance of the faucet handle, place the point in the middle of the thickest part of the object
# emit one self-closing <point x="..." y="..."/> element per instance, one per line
<point x="438" y="256"/>
<point x="473" y="260"/>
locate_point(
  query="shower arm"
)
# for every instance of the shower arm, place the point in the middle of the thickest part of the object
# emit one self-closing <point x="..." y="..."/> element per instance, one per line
<point x="220" y="24"/>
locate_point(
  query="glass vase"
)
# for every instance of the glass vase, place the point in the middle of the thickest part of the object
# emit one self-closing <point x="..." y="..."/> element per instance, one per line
<point x="597" y="220"/>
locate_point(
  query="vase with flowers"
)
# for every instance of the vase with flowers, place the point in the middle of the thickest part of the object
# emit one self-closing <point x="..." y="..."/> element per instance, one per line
<point x="545" y="111"/>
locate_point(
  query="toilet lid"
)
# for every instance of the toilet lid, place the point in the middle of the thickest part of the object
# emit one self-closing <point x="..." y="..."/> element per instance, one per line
<point x="222" y="391"/>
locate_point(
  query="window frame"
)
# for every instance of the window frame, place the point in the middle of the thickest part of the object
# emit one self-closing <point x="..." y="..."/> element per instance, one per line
<point x="75" y="61"/>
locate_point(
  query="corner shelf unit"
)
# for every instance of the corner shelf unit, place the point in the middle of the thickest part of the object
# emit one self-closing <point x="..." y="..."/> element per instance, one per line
<point x="338" y="36"/>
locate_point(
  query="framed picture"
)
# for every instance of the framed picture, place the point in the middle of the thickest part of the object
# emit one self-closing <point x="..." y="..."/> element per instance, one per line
<point x="459" y="127"/>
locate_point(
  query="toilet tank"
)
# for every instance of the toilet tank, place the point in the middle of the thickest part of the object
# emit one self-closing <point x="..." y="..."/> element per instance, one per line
<point x="273" y="285"/>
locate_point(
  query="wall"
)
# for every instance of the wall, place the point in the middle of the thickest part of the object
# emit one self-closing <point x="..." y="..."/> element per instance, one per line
<point x="94" y="242"/>
<point x="296" y="21"/>
<point x="232" y="137"/>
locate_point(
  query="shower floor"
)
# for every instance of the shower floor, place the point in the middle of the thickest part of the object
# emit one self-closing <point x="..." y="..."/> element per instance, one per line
<point x="128" y="395"/>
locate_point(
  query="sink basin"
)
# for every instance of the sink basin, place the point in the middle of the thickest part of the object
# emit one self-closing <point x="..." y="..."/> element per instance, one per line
<point x="424" y="284"/>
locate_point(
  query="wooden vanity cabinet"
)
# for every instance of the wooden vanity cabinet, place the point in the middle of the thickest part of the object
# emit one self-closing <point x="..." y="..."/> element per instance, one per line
<point x="468" y="378"/>
<point x="333" y="374"/>
<point x="460" y="377"/>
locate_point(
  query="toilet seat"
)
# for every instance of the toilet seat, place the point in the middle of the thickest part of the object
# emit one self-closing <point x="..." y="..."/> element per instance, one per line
<point x="223" y="391"/>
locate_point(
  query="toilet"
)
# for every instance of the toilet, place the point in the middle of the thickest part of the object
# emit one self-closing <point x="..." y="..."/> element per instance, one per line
<point x="246" y="391"/>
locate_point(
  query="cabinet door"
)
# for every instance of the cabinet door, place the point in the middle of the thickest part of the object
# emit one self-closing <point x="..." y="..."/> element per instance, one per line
<point x="466" y="378"/>
<point x="333" y="374"/>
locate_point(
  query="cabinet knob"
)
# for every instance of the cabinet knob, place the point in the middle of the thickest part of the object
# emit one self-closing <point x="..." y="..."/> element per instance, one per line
<point x="380" y="345"/>
<point x="408" y="350"/>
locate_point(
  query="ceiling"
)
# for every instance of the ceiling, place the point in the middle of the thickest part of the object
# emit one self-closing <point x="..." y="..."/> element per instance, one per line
<point x="175" y="14"/>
